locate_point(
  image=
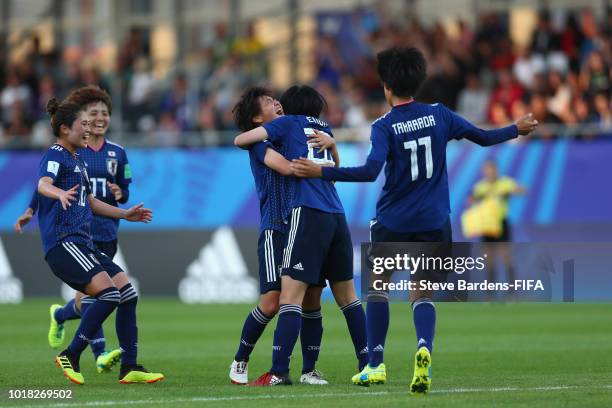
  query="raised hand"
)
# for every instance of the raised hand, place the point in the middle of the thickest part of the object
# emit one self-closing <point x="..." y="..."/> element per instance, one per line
<point x="116" y="190"/>
<point x="526" y="124"/>
<point x="23" y="220"/>
<point x="139" y="214"/>
<point x="67" y="197"/>
<point x="305" y="168"/>
<point x="321" y="140"/>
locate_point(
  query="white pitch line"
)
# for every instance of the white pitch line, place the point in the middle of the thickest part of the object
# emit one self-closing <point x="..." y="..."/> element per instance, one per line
<point x="359" y="394"/>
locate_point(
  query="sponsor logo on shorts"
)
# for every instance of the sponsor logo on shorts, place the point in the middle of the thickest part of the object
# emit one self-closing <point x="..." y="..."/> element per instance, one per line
<point x="298" y="266"/>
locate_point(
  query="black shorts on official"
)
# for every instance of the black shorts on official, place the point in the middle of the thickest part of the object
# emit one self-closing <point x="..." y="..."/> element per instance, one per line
<point x="436" y="243"/>
<point x="318" y="247"/>
<point x="76" y="264"/>
<point x="108" y="248"/>
<point x="270" y="254"/>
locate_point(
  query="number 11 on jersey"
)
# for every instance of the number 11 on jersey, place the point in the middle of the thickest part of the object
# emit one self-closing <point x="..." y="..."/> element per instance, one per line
<point x="413" y="146"/>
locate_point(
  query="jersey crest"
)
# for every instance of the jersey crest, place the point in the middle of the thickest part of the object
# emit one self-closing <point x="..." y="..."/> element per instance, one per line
<point x="111" y="166"/>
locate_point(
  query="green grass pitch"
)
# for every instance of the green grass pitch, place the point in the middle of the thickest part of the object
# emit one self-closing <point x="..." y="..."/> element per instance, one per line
<point x="502" y="355"/>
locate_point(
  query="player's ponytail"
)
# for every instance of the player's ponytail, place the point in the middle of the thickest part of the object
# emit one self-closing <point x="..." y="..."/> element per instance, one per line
<point x="62" y="113"/>
<point x="52" y="106"/>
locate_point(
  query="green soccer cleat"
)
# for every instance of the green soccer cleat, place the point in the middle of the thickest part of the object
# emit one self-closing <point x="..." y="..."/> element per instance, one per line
<point x="138" y="375"/>
<point x="421" y="381"/>
<point x="371" y="375"/>
<point x="70" y="367"/>
<point x="106" y="360"/>
<point x="56" y="331"/>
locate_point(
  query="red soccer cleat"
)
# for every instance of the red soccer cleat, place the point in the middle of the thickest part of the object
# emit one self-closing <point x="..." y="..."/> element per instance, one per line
<point x="269" y="379"/>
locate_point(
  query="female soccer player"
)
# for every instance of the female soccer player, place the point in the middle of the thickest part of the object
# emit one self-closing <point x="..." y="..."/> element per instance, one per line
<point x="318" y="246"/>
<point x="66" y="208"/>
<point x="110" y="176"/>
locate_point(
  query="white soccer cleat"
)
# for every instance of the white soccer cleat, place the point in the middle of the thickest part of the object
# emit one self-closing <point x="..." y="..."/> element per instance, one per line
<point x="239" y="372"/>
<point x="314" y="377"/>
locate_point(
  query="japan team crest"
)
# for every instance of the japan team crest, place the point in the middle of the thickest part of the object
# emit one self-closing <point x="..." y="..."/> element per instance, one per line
<point x="111" y="166"/>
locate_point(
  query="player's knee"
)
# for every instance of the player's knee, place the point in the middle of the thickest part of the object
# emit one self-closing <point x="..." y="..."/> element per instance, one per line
<point x="269" y="303"/>
<point x="417" y="295"/>
<point x="270" y="309"/>
<point x="111" y="295"/>
<point x="377" y="296"/>
<point x="422" y="301"/>
<point x="312" y="299"/>
<point x="128" y="294"/>
<point x="344" y="297"/>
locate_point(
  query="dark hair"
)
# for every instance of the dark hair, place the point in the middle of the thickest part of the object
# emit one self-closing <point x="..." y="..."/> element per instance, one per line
<point x="248" y="107"/>
<point x="64" y="113"/>
<point x="402" y="70"/>
<point x="303" y="100"/>
<point x="89" y="94"/>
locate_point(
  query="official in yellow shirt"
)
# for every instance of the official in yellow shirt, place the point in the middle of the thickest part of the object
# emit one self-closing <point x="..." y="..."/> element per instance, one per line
<point x="492" y="186"/>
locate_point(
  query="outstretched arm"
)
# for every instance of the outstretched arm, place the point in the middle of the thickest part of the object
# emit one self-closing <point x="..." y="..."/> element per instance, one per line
<point x="368" y="172"/>
<point x="136" y="214"/>
<point x="461" y="128"/>
<point x="246" y="139"/>
<point x="26" y="217"/>
<point x="66" y="197"/>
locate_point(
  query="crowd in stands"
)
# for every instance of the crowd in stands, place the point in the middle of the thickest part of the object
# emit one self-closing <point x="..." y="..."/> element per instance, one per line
<point x="563" y="76"/>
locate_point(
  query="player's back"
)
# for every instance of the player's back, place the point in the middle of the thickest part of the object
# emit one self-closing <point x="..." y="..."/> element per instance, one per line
<point x="415" y="195"/>
<point x="290" y="133"/>
<point x="56" y="224"/>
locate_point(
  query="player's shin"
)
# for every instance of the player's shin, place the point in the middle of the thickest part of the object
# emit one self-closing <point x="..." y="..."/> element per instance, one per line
<point x="310" y="338"/>
<point x="377" y="318"/>
<point x="356" y="322"/>
<point x="97" y="342"/>
<point x="253" y="327"/>
<point x="424" y="315"/>
<point x="285" y="337"/>
<point x="125" y="323"/>
<point x="67" y="312"/>
<point x="91" y="321"/>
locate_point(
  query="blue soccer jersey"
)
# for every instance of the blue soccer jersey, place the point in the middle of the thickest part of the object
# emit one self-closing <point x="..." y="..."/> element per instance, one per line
<point x="290" y="133"/>
<point x="56" y="224"/>
<point x="411" y="139"/>
<point x="107" y="164"/>
<point x="274" y="191"/>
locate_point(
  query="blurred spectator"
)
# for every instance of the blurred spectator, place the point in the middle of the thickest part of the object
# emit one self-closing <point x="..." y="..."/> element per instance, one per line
<point x="140" y="90"/>
<point x="507" y="91"/>
<point x="168" y="132"/>
<point x="473" y="100"/>
<point x="560" y="96"/>
<point x="15" y="95"/>
<point x="178" y="101"/>
<point x="135" y="46"/>
<point x="249" y="50"/>
<point x="602" y="111"/>
<point x="595" y="76"/>
<point x="18" y="124"/>
<point x="543" y="39"/>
